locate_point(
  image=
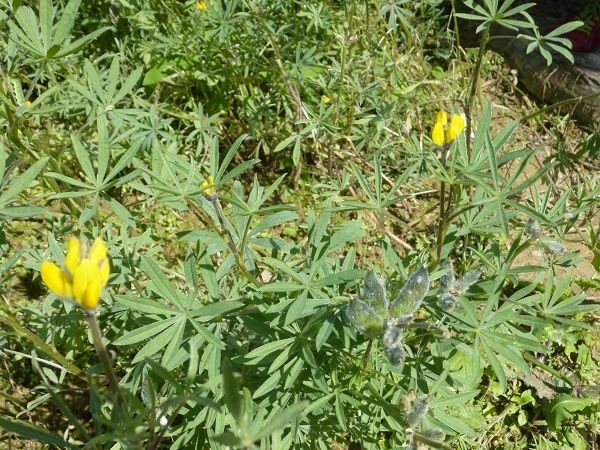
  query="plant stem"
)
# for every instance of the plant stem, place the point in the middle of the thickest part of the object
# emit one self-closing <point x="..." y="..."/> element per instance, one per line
<point x="103" y="354"/>
<point x="473" y="89"/>
<point x="365" y="359"/>
<point x="443" y="219"/>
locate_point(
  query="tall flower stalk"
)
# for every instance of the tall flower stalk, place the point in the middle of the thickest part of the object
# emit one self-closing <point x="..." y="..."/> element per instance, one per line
<point x="81" y="279"/>
<point x="443" y="134"/>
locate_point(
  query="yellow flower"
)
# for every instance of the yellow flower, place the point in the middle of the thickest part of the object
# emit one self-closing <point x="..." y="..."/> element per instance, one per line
<point x="84" y="274"/>
<point x="444" y="134"/>
<point x="325" y="99"/>
<point x="207" y="186"/>
<point x="201" y="6"/>
<point x="28" y="104"/>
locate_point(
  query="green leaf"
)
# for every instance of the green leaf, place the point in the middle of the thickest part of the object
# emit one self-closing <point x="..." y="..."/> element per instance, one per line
<point x="228" y="157"/>
<point x="66" y="22"/>
<point x="269" y="348"/>
<point x="80" y="43"/>
<point x="33" y="432"/>
<point x="496" y="366"/>
<point x="563" y="407"/>
<point x="176" y="337"/>
<point x="28" y="21"/>
<point x="281" y="418"/>
<point x="144" y="332"/>
<point x="22" y="182"/>
<point x="144" y="305"/>
<point x="46" y="16"/>
<point x="159" y="282"/>
<point x="217" y="308"/>
<point x="351" y="231"/>
<point x="324" y="332"/>
<point x="271" y="382"/>
<point x="158" y="342"/>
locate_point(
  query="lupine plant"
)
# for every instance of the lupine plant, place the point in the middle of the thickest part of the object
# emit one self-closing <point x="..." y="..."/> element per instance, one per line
<point x="287" y="225"/>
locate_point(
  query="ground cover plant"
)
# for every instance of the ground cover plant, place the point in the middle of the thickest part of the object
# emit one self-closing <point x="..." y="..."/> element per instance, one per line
<point x="279" y="224"/>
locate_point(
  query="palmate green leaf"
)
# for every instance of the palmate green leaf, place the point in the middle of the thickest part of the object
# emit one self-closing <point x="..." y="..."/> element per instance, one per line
<point x="563" y="49"/>
<point x="282" y="358"/>
<point x="281" y="286"/>
<point x="364" y="184"/>
<point x="82" y="155"/>
<point x="480" y="133"/>
<point x="299" y="308"/>
<point x="322" y="403"/>
<point x="564" y="28"/>
<point x="103" y="152"/>
<point x="282" y="267"/>
<point x="126" y="87"/>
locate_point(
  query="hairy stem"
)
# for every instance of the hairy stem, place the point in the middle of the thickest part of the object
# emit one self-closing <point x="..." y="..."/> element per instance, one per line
<point x="103" y="355"/>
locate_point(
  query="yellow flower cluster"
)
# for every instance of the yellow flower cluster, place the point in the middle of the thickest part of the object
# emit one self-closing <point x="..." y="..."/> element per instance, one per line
<point x="444" y="134"/>
<point x="201" y="6"/>
<point x="207" y="186"/>
<point x="84" y="275"/>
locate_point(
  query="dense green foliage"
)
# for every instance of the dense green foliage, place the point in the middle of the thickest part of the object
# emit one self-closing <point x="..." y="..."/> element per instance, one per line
<point x="348" y="284"/>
